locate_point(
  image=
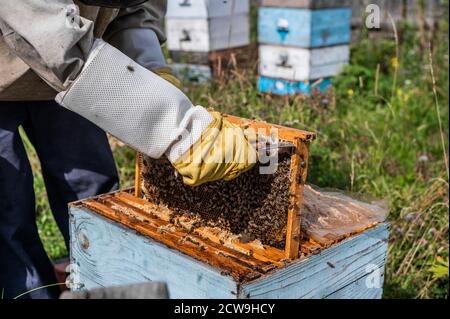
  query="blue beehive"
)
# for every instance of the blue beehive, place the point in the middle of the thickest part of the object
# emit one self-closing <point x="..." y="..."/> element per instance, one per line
<point x="284" y="87"/>
<point x="304" y="28"/>
<point x="301" y="46"/>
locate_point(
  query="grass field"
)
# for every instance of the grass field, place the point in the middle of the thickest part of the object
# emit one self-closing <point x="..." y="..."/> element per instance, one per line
<point x="382" y="130"/>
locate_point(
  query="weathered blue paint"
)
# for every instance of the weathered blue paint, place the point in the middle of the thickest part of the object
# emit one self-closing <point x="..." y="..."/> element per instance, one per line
<point x="106" y="253"/>
<point x="304" y="27"/>
<point x="344" y="270"/>
<point x="285" y="87"/>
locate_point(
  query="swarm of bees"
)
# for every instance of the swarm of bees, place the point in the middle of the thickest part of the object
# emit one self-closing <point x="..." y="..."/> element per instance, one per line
<point x="253" y="205"/>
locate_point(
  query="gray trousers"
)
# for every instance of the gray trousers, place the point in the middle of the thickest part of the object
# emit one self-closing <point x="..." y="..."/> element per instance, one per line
<point x="76" y="163"/>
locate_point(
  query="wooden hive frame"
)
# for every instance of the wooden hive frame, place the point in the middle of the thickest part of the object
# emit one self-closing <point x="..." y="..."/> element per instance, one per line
<point x="299" y="167"/>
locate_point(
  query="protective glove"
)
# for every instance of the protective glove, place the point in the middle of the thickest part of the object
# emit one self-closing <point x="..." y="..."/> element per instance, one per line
<point x="241" y="151"/>
<point x="223" y="152"/>
<point x="166" y="74"/>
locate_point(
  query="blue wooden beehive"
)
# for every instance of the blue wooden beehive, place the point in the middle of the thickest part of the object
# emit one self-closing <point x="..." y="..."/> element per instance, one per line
<point x="304" y="28"/>
<point x="121" y="238"/>
<point x="114" y="242"/>
<point x="301" y="44"/>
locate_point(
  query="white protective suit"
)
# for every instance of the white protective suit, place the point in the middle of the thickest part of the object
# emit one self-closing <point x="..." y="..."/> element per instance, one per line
<point x="99" y="82"/>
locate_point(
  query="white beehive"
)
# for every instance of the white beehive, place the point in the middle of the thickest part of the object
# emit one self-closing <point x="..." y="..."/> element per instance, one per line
<point x="300" y="64"/>
<point x="207" y="25"/>
<point x="206" y="8"/>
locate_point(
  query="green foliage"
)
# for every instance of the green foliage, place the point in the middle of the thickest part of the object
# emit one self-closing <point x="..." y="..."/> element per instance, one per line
<point x="440" y="268"/>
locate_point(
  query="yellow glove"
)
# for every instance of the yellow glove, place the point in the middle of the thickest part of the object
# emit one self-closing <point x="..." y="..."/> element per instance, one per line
<point x="222" y="152"/>
<point x="166" y="74"/>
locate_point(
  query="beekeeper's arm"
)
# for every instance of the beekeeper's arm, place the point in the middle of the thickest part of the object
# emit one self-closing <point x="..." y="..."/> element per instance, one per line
<point x="138" y="33"/>
<point x="122" y="97"/>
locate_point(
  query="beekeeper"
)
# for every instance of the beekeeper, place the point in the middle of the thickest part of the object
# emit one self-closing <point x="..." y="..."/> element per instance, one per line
<point x="94" y="58"/>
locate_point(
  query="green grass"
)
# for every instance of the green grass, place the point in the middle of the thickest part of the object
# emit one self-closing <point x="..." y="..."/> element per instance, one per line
<point x="377" y="135"/>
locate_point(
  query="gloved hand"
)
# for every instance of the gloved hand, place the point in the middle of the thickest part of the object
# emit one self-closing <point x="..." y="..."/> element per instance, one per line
<point x="223" y="152"/>
<point x="166" y="74"/>
<point x="216" y="145"/>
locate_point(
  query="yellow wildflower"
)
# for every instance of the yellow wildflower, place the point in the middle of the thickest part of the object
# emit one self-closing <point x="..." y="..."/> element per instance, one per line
<point x="394" y="62"/>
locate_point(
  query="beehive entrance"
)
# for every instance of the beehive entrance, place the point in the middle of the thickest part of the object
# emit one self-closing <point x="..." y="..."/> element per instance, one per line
<point x="258" y="206"/>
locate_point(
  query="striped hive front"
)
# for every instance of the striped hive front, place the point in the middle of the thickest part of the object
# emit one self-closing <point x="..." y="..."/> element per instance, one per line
<point x="302" y="43"/>
<point x="200" y="27"/>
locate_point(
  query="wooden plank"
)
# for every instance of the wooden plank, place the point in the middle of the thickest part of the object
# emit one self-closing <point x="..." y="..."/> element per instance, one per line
<point x="304" y="27"/>
<point x="116" y="256"/>
<point x="299" y="164"/>
<point x="288" y="87"/>
<point x="137" y="176"/>
<point x="284" y="133"/>
<point x="311" y="4"/>
<point x="321" y="275"/>
<point x="299" y="64"/>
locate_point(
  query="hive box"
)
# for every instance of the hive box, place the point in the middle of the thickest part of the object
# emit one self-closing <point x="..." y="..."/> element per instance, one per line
<point x="207" y="25"/>
<point x="287" y="87"/>
<point x="304" y="27"/>
<point x="117" y="242"/>
<point x="121" y="238"/>
<point x="198" y="34"/>
<point x="299" y="64"/>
